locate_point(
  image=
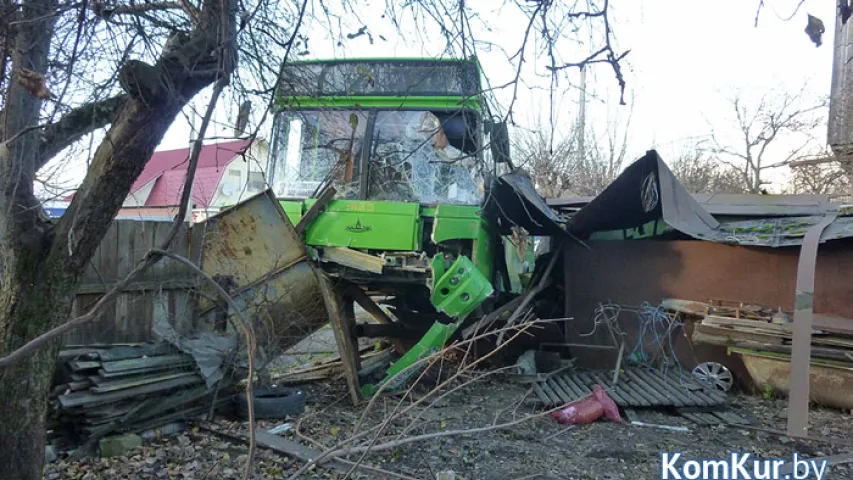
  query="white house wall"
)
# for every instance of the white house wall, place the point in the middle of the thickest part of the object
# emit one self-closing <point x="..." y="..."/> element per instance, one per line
<point x="139" y="197"/>
<point x="256" y="160"/>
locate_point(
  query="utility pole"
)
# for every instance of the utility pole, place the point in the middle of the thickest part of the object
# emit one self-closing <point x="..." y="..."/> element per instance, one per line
<point x="582" y="117"/>
<point x="840" y="123"/>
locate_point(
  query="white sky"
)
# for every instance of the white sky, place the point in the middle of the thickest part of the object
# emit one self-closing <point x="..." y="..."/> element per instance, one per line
<point x="685" y="56"/>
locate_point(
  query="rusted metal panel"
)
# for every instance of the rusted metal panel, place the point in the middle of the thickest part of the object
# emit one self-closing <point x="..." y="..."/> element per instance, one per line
<point x="630" y="273"/>
<point x="798" y="403"/>
<point x="256" y="247"/>
<point x="829" y="386"/>
<point x="249" y="241"/>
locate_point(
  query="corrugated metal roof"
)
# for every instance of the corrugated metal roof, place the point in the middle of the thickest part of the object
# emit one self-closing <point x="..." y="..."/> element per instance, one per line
<point x="742" y="205"/>
<point x="648" y="191"/>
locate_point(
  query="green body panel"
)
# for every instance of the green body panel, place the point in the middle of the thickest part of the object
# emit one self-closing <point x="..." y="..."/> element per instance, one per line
<point x="431" y="342"/>
<point x="366" y="225"/>
<point x="646" y="230"/>
<point x="293" y="209"/>
<point x="386" y="102"/>
<point x="464" y="222"/>
<point x="460" y="289"/>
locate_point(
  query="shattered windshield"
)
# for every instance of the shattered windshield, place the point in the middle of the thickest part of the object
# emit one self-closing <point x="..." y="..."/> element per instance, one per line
<point x="414" y="156"/>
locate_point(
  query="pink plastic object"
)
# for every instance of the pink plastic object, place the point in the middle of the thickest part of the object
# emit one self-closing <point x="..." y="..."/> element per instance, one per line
<point x="588" y="410"/>
<point x="611" y="411"/>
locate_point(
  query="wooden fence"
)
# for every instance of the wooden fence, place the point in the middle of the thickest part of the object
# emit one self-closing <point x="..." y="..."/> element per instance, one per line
<point x="161" y="292"/>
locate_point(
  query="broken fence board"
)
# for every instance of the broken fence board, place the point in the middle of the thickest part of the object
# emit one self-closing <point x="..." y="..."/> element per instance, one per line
<point x="85" y="398"/>
<point x="116" y="385"/>
<point x="139" y="363"/>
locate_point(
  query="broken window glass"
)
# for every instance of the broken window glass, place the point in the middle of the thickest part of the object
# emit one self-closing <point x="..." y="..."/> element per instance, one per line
<point x="411" y="156"/>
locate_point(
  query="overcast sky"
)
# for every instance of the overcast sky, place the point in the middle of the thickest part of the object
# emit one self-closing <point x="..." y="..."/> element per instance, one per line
<point x="686" y="56"/>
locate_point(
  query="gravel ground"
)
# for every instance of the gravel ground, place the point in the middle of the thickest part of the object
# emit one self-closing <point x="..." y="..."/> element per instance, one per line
<point x="536" y="448"/>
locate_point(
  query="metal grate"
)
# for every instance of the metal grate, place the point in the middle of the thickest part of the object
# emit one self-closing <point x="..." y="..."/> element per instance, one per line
<point x="636" y="387"/>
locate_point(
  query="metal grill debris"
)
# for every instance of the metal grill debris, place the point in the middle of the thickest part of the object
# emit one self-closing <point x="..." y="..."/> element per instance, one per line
<point x="636" y="387"/>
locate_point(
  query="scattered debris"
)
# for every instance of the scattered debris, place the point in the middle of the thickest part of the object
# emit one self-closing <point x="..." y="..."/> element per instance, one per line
<point x="762" y="337"/>
<point x="715" y="375"/>
<point x="119" y="445"/>
<point x="284" y="427"/>
<point x="637" y="387"/>
<point x="589" y="409"/>
<point x="126" y="388"/>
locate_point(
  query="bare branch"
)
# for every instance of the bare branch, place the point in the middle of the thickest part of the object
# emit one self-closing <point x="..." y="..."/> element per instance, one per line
<point x="75" y="124"/>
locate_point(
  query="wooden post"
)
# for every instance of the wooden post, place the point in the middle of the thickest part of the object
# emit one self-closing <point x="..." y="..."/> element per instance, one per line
<point x="342" y="317"/>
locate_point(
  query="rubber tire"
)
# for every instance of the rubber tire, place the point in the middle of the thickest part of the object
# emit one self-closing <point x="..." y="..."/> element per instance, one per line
<point x="271" y="403"/>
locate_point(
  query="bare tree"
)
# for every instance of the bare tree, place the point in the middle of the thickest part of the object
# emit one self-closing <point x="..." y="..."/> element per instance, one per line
<point x="821" y="179"/>
<point x="559" y="168"/>
<point x="699" y="172"/>
<point x="766" y="135"/>
<point x="129" y="69"/>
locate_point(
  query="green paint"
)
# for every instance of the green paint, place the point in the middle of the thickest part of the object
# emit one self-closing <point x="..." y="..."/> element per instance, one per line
<point x="454" y="222"/>
<point x="465" y="222"/>
<point x="293" y="209"/>
<point x="460" y="289"/>
<point x="804" y="301"/>
<point x="646" y="230"/>
<point x="402" y="371"/>
<point x="369" y="225"/>
<point x="387" y="102"/>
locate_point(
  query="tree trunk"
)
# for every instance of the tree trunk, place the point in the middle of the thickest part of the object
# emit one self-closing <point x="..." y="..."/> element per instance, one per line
<point x="41" y="262"/>
<point x="33" y="298"/>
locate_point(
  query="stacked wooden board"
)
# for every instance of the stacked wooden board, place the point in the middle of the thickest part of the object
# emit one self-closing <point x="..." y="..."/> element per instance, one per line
<point x="763" y="336"/>
<point x="103" y="389"/>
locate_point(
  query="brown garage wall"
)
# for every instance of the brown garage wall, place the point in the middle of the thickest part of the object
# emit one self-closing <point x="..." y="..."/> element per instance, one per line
<point x="631" y="272"/>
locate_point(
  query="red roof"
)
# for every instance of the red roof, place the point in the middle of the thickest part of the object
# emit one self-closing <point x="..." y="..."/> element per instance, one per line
<point x="171" y="168"/>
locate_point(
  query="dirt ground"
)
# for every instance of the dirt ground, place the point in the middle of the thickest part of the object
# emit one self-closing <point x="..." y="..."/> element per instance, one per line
<point x="537" y="448"/>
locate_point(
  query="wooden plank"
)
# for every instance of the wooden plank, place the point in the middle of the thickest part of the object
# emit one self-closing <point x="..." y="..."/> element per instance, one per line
<point x="123" y="353"/>
<point x="136" y="371"/>
<point x="184" y="283"/>
<point x="551" y="394"/>
<point x="664" y="396"/>
<point x="139" y="363"/>
<point x="753" y="324"/>
<point x="564" y="396"/>
<point x="85" y="398"/>
<point x="577" y="385"/>
<point x="342" y="317"/>
<point x="713" y="334"/>
<point x="313" y="212"/>
<point x="84" y="365"/>
<point x="368" y="304"/>
<point x="569" y="386"/>
<point x="115" y="385"/>
<point x="353" y="259"/>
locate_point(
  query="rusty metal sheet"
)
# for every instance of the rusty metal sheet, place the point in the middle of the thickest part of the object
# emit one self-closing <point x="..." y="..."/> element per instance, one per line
<point x="829" y="386"/>
<point x="249" y="241"/>
<point x="255" y="246"/>
<point x="798" y="404"/>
